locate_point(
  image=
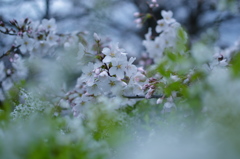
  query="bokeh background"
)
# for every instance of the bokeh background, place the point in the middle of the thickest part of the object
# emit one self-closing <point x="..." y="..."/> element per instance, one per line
<point x="142" y="131"/>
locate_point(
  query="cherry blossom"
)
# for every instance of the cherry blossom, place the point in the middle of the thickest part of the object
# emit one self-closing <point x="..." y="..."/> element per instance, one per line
<point x="113" y="52"/>
<point x="167" y="29"/>
<point x="130" y="68"/>
<point x="167" y="16"/>
<point x="48" y="25"/>
<point x="118" y="66"/>
<point x="25" y="42"/>
<point x="88" y="74"/>
<point x="20" y="68"/>
<point x="52" y="39"/>
<point x="162" y="25"/>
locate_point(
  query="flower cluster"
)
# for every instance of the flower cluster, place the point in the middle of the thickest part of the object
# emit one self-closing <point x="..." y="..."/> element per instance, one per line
<point x="33" y="40"/>
<point x="11" y="74"/>
<point x="112" y="75"/>
<point x="167" y="29"/>
<point x="141" y="17"/>
<point x="30" y="106"/>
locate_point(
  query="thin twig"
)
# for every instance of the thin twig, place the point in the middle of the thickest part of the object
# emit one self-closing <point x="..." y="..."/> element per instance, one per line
<point x="8" y="33"/>
<point x="137" y="96"/>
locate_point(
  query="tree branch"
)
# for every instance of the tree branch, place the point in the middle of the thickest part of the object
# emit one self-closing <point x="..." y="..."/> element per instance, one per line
<point x="139" y="97"/>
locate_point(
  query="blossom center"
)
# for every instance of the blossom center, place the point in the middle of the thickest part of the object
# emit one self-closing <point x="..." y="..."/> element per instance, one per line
<point x="119" y="66"/>
<point x="112" y="54"/>
<point x="111" y="83"/>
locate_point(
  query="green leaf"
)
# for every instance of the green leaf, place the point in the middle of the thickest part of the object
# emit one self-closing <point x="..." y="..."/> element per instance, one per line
<point x="235" y="64"/>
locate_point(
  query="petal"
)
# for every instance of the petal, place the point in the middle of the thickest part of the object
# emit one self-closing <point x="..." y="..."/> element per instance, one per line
<point x="131" y="60"/>
<point x="107" y="59"/>
<point x="106" y="51"/>
<point x="112" y="70"/>
<point x="120" y="74"/>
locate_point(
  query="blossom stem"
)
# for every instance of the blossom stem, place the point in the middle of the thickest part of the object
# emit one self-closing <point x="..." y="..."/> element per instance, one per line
<point x="8" y="33"/>
<point x="137" y="96"/>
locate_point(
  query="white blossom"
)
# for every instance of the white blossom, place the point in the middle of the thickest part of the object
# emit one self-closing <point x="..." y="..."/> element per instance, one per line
<point x="159" y="100"/>
<point x="52" y="39"/>
<point x="96" y="37"/>
<point x="88" y="74"/>
<point x="130" y="68"/>
<point x="118" y="66"/>
<point x="167" y="16"/>
<point x="113" y="52"/>
<point x="49" y="25"/>
<point x="161" y="25"/>
<point x="26" y="43"/>
<point x="94" y="89"/>
<point x="21" y="70"/>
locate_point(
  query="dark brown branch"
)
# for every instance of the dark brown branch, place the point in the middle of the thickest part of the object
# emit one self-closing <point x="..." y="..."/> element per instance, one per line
<point x="47" y="9"/>
<point x="137" y="96"/>
<point x="8" y="33"/>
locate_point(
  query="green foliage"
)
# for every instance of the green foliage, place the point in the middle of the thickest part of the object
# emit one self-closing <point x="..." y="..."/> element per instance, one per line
<point x="182" y="40"/>
<point x="44" y="136"/>
<point x="235" y="64"/>
<point x="41" y="138"/>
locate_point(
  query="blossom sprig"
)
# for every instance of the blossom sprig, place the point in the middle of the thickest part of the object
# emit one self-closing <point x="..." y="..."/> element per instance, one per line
<point x="141" y="18"/>
<point x="168" y="33"/>
<point x="19" y="27"/>
<point x="12" y="70"/>
<point x="8" y="31"/>
<point x="153" y="4"/>
<point x="33" y="40"/>
<point x="112" y="75"/>
<point x="223" y="57"/>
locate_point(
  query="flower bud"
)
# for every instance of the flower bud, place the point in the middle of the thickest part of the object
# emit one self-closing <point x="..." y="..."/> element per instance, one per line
<point x="20" y="33"/>
<point x="141" y="70"/>
<point x="151" y="80"/>
<point x="146" y="86"/>
<point x="174" y="77"/>
<point x="26" y="20"/>
<point x="136" y="14"/>
<point x="97" y="71"/>
<point x="159" y="101"/>
<point x="9" y="71"/>
<point x="149" y="93"/>
<point x="96" y="37"/>
<point x="2" y="24"/>
<point x="103" y="74"/>
<point x="138" y="20"/>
